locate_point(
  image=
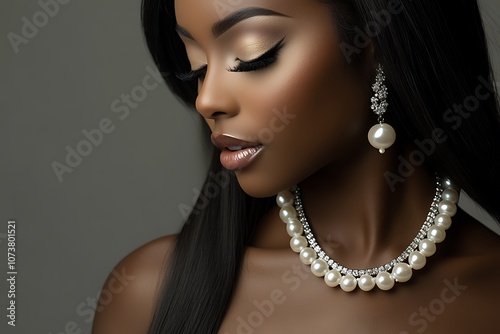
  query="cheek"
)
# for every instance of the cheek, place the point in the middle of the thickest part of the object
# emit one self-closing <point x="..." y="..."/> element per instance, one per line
<point x="330" y="105"/>
<point x="313" y="82"/>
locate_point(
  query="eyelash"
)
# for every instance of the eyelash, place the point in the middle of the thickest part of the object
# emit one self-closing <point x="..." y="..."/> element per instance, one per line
<point x="260" y="62"/>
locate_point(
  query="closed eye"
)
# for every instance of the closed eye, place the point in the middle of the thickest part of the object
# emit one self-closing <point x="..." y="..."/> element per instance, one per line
<point x="260" y="62"/>
<point x="193" y="75"/>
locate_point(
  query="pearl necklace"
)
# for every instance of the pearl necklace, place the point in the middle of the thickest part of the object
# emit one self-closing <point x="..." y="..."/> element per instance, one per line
<point x="433" y="231"/>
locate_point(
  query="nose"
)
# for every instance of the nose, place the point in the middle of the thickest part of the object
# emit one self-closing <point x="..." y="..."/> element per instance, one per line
<point x="216" y="98"/>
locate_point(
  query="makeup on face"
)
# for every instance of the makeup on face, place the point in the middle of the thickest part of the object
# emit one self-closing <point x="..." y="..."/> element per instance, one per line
<point x="296" y="68"/>
<point x="250" y="45"/>
<point x="247" y="45"/>
<point x="236" y="153"/>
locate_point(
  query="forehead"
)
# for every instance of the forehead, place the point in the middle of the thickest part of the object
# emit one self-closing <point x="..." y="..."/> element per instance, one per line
<point x="218" y="9"/>
<point x="200" y="15"/>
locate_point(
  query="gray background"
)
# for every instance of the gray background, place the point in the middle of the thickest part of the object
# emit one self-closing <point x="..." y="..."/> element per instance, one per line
<point x="127" y="191"/>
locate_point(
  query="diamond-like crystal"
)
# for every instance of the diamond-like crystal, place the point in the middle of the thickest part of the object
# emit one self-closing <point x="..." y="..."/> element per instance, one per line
<point x="379" y="105"/>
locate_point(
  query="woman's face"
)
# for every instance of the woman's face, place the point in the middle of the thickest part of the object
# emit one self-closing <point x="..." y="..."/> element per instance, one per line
<point x="277" y="79"/>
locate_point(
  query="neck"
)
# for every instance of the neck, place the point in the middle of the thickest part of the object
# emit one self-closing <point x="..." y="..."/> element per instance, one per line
<point x="358" y="217"/>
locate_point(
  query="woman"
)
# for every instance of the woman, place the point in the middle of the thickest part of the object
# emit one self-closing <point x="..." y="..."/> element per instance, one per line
<point x="290" y="94"/>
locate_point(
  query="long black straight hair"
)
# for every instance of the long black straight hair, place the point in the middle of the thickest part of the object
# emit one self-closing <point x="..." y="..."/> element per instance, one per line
<point x="435" y="58"/>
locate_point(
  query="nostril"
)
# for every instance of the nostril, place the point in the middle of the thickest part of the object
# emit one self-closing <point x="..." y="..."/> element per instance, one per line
<point x="218" y="114"/>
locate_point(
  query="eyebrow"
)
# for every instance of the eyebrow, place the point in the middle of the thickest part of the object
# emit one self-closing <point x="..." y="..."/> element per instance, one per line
<point x="226" y="23"/>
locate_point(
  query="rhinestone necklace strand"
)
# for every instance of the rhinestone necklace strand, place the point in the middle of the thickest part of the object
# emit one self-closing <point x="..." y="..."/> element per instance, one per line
<point x="433" y="231"/>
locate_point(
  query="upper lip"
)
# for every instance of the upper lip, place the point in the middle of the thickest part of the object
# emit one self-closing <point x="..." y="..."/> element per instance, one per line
<point x="222" y="141"/>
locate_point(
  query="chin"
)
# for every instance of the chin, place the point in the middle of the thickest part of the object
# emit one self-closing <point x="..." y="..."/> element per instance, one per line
<point x="261" y="186"/>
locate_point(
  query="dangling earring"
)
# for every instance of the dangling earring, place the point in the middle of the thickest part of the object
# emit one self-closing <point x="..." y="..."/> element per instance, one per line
<point x="382" y="135"/>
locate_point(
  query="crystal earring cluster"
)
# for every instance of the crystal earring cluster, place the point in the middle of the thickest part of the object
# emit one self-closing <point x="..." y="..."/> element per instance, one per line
<point x="381" y="135"/>
<point x="400" y="269"/>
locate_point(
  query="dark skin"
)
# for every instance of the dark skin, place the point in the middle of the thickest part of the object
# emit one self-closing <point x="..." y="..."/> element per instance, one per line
<point x="356" y="216"/>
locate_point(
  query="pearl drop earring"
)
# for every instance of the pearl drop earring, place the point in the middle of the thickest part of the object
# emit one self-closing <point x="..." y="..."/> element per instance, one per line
<point x="382" y="135"/>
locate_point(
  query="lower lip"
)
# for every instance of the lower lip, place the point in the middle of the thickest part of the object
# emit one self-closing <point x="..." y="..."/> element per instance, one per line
<point x="234" y="160"/>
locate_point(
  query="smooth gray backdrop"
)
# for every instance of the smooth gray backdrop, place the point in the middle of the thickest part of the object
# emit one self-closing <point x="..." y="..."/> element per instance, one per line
<point x="71" y="76"/>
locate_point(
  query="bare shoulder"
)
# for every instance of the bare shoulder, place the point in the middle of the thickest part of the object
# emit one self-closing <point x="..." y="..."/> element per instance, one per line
<point x="475" y="239"/>
<point x="129" y="293"/>
<point x="474" y="250"/>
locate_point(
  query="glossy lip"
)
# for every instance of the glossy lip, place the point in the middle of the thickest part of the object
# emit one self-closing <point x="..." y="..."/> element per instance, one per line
<point x="222" y="141"/>
<point x="235" y="159"/>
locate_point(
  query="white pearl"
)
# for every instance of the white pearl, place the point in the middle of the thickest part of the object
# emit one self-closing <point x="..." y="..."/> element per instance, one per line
<point x="319" y="267"/>
<point x="284" y="198"/>
<point x="348" y="283"/>
<point x="417" y="260"/>
<point x="287" y="212"/>
<point x="401" y="272"/>
<point x="298" y="243"/>
<point x="294" y="227"/>
<point x="450" y="195"/>
<point x="307" y="255"/>
<point x="448" y="184"/>
<point x="427" y="247"/>
<point x="366" y="282"/>
<point x="447" y="207"/>
<point x="384" y="281"/>
<point x="443" y="220"/>
<point x="332" y="278"/>
<point x="382" y="136"/>
<point x="436" y="234"/>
